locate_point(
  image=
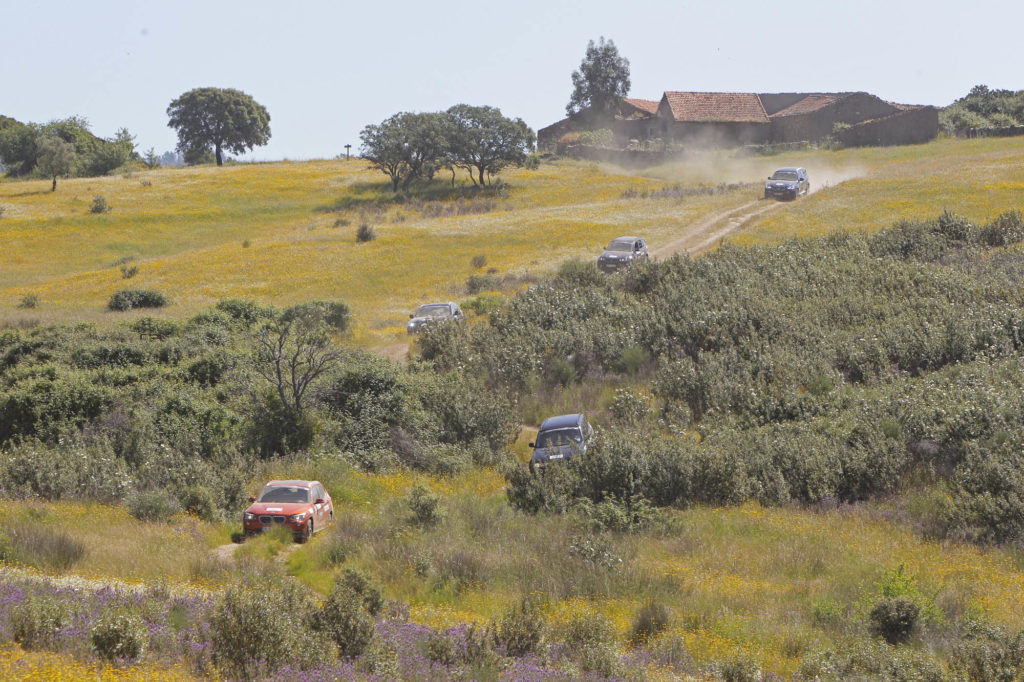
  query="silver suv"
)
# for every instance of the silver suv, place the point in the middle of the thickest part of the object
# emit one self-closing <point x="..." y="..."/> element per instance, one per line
<point x="433" y="312"/>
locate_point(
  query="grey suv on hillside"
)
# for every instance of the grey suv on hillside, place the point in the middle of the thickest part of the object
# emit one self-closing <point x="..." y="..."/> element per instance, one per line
<point x="622" y="252"/>
<point x="433" y="312"/>
<point x="787" y="183"/>
<point x="559" y="438"/>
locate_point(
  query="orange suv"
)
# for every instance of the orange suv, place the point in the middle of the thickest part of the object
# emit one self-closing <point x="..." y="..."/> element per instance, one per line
<point x="303" y="506"/>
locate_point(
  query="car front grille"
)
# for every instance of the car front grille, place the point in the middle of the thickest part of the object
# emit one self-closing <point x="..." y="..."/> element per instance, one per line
<point x="267" y="519"/>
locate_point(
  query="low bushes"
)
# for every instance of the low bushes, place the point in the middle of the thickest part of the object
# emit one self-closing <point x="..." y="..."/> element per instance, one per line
<point x="255" y="632"/>
<point x="130" y="299"/>
<point x="119" y="635"/>
<point x="35" y="621"/>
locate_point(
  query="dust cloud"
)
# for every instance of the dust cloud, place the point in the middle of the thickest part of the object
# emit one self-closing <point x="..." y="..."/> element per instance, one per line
<point x="716" y="167"/>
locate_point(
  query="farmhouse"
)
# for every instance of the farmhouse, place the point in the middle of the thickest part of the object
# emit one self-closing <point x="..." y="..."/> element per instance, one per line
<point x="732" y="119"/>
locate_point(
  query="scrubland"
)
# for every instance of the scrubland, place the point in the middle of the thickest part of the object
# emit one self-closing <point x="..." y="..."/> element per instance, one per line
<point x="816" y="420"/>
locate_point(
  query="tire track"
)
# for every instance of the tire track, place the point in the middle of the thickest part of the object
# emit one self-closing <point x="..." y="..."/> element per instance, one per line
<point x="704" y="233"/>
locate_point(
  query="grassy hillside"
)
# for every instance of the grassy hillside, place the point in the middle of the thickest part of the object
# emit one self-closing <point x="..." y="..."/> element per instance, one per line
<point x="202" y="234"/>
<point x="787" y="437"/>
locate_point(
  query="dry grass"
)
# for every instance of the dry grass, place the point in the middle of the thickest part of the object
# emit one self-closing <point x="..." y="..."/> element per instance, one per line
<point x="745" y="580"/>
<point x="267" y="231"/>
<point x="117" y="545"/>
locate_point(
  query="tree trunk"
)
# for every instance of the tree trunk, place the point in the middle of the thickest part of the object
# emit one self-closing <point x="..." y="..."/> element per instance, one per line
<point x="220" y="158"/>
<point x="481" y="176"/>
<point x="54" y="188"/>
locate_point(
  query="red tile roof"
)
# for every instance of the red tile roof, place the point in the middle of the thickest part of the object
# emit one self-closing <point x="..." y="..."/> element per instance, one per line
<point x="650" y="106"/>
<point x="716" y="106"/>
<point x="812" y="102"/>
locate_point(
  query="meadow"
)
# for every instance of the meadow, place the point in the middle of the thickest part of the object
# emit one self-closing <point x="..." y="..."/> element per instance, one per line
<point x="733" y="393"/>
<point x="202" y="234"/>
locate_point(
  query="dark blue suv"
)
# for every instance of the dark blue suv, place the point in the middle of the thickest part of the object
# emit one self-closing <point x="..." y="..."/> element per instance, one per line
<point x="787" y="183"/>
<point x="560" y="438"/>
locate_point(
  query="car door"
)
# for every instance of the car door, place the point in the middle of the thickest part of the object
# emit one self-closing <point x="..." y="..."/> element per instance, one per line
<point x="320" y="511"/>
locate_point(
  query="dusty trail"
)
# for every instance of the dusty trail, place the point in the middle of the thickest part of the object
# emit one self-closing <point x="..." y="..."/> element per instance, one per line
<point x="712" y="229"/>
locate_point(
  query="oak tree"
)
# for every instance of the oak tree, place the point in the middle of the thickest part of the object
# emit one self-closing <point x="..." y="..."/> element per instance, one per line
<point x="54" y="157"/>
<point x="407" y="146"/>
<point x="484" y="141"/>
<point x="219" y="119"/>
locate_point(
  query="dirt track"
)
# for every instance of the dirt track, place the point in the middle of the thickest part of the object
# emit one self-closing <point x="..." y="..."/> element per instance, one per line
<point x="711" y="229"/>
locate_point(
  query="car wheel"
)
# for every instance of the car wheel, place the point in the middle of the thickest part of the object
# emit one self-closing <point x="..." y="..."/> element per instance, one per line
<point x="307" y="533"/>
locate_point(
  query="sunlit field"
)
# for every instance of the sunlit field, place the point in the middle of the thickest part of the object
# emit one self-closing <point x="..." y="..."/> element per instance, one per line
<point x="773" y="586"/>
<point x="285" y="232"/>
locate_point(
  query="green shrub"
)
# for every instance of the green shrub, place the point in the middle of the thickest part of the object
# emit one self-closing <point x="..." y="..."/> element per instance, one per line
<point x="255" y="632"/>
<point x="551" y="492"/>
<point x="651" y="620"/>
<point x="595" y="550"/>
<point x="1006" y="229"/>
<point x="562" y="373"/>
<point x="631" y="359"/>
<point x="597" y="138"/>
<point x="477" y="283"/>
<point x="99" y="205"/>
<point x="29" y="301"/>
<point x="894" y="618"/>
<point x="740" y="669"/>
<point x="521" y="630"/>
<point x="442" y="648"/>
<point x="344" y="619"/>
<point x="590" y="639"/>
<point x="365" y="587"/>
<point x="200" y="501"/>
<point x="67" y="470"/>
<point x="986" y="652"/>
<point x="153" y="505"/>
<point x="130" y="299"/>
<point x="365" y="233"/>
<point x="629" y="407"/>
<point x="35" y="621"/>
<point x="245" y="311"/>
<point x="119" y="635"/>
<point x="333" y="552"/>
<point x="613" y="514"/>
<point x="478" y="261"/>
<point x="424" y="505"/>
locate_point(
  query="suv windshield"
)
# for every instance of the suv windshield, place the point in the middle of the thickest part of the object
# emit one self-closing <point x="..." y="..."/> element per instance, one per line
<point x="284" y="494"/>
<point x="433" y="310"/>
<point x="785" y="175"/>
<point x="620" y="246"/>
<point x="558" y="437"/>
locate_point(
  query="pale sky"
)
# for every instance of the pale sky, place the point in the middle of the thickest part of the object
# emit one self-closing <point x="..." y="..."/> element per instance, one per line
<point x="326" y="69"/>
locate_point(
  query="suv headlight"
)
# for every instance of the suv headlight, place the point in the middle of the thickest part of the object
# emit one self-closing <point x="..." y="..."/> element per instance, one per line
<point x="297" y="517"/>
<point x="248" y="516"/>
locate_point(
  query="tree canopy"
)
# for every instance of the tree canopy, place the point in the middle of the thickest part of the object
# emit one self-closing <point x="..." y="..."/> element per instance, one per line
<point x="20" y="147"/>
<point x="601" y="80"/>
<point x="218" y="119"/>
<point x="55" y="157"/>
<point x="983" y="107"/>
<point x="483" y="140"/>
<point x="407" y="146"/>
<point x="412" y="146"/>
